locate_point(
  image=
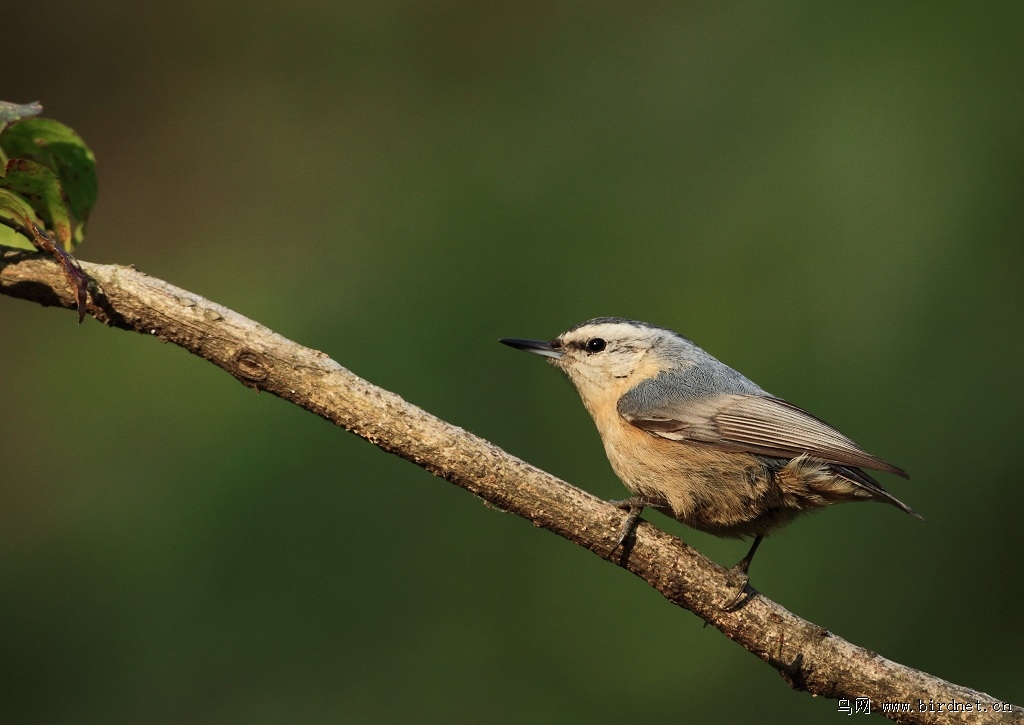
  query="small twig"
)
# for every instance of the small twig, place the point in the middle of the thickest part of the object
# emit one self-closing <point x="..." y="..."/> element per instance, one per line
<point x="807" y="656"/>
<point x="68" y="263"/>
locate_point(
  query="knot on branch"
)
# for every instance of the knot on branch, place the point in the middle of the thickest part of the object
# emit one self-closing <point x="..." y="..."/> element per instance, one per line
<point x="250" y="367"/>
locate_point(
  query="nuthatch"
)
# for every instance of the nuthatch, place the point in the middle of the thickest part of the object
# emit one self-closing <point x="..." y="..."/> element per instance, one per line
<point x="698" y="441"/>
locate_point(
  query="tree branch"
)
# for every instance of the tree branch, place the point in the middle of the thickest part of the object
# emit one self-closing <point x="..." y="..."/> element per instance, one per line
<point x="808" y="657"/>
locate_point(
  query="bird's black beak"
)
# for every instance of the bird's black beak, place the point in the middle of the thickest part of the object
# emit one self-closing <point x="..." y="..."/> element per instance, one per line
<point x="537" y="347"/>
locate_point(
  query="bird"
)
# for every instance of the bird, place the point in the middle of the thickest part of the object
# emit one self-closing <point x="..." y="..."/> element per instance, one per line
<point x="695" y="439"/>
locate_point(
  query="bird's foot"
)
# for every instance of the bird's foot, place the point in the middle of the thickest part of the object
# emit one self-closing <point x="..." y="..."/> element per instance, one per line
<point x="739" y="590"/>
<point x="635" y="506"/>
<point x="741" y="577"/>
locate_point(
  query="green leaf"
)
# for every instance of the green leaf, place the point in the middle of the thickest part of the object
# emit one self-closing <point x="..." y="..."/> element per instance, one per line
<point x="53" y="144"/>
<point x="11" y="112"/>
<point x="16" y="214"/>
<point x="10" y="238"/>
<point x="40" y="187"/>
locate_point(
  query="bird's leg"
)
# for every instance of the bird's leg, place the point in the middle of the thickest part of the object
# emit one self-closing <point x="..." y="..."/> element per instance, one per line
<point x="741" y="576"/>
<point x="635" y="506"/>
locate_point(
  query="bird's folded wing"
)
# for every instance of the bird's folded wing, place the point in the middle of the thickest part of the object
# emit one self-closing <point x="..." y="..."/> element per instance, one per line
<point x="748" y="423"/>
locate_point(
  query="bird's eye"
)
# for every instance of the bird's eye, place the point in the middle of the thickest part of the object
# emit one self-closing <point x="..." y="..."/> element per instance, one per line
<point x="596" y="344"/>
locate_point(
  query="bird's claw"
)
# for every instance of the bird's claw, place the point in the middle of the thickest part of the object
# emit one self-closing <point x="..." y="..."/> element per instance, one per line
<point x="739" y="597"/>
<point x="740" y="576"/>
<point x="635" y="505"/>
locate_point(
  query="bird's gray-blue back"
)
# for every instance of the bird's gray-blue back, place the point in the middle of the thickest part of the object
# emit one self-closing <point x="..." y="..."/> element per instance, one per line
<point x="705" y="377"/>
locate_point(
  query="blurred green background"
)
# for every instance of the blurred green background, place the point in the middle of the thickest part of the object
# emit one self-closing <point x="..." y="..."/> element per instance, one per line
<point x="827" y="197"/>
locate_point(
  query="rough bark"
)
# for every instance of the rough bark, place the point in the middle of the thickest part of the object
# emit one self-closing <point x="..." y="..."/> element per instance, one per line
<point x="807" y="656"/>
